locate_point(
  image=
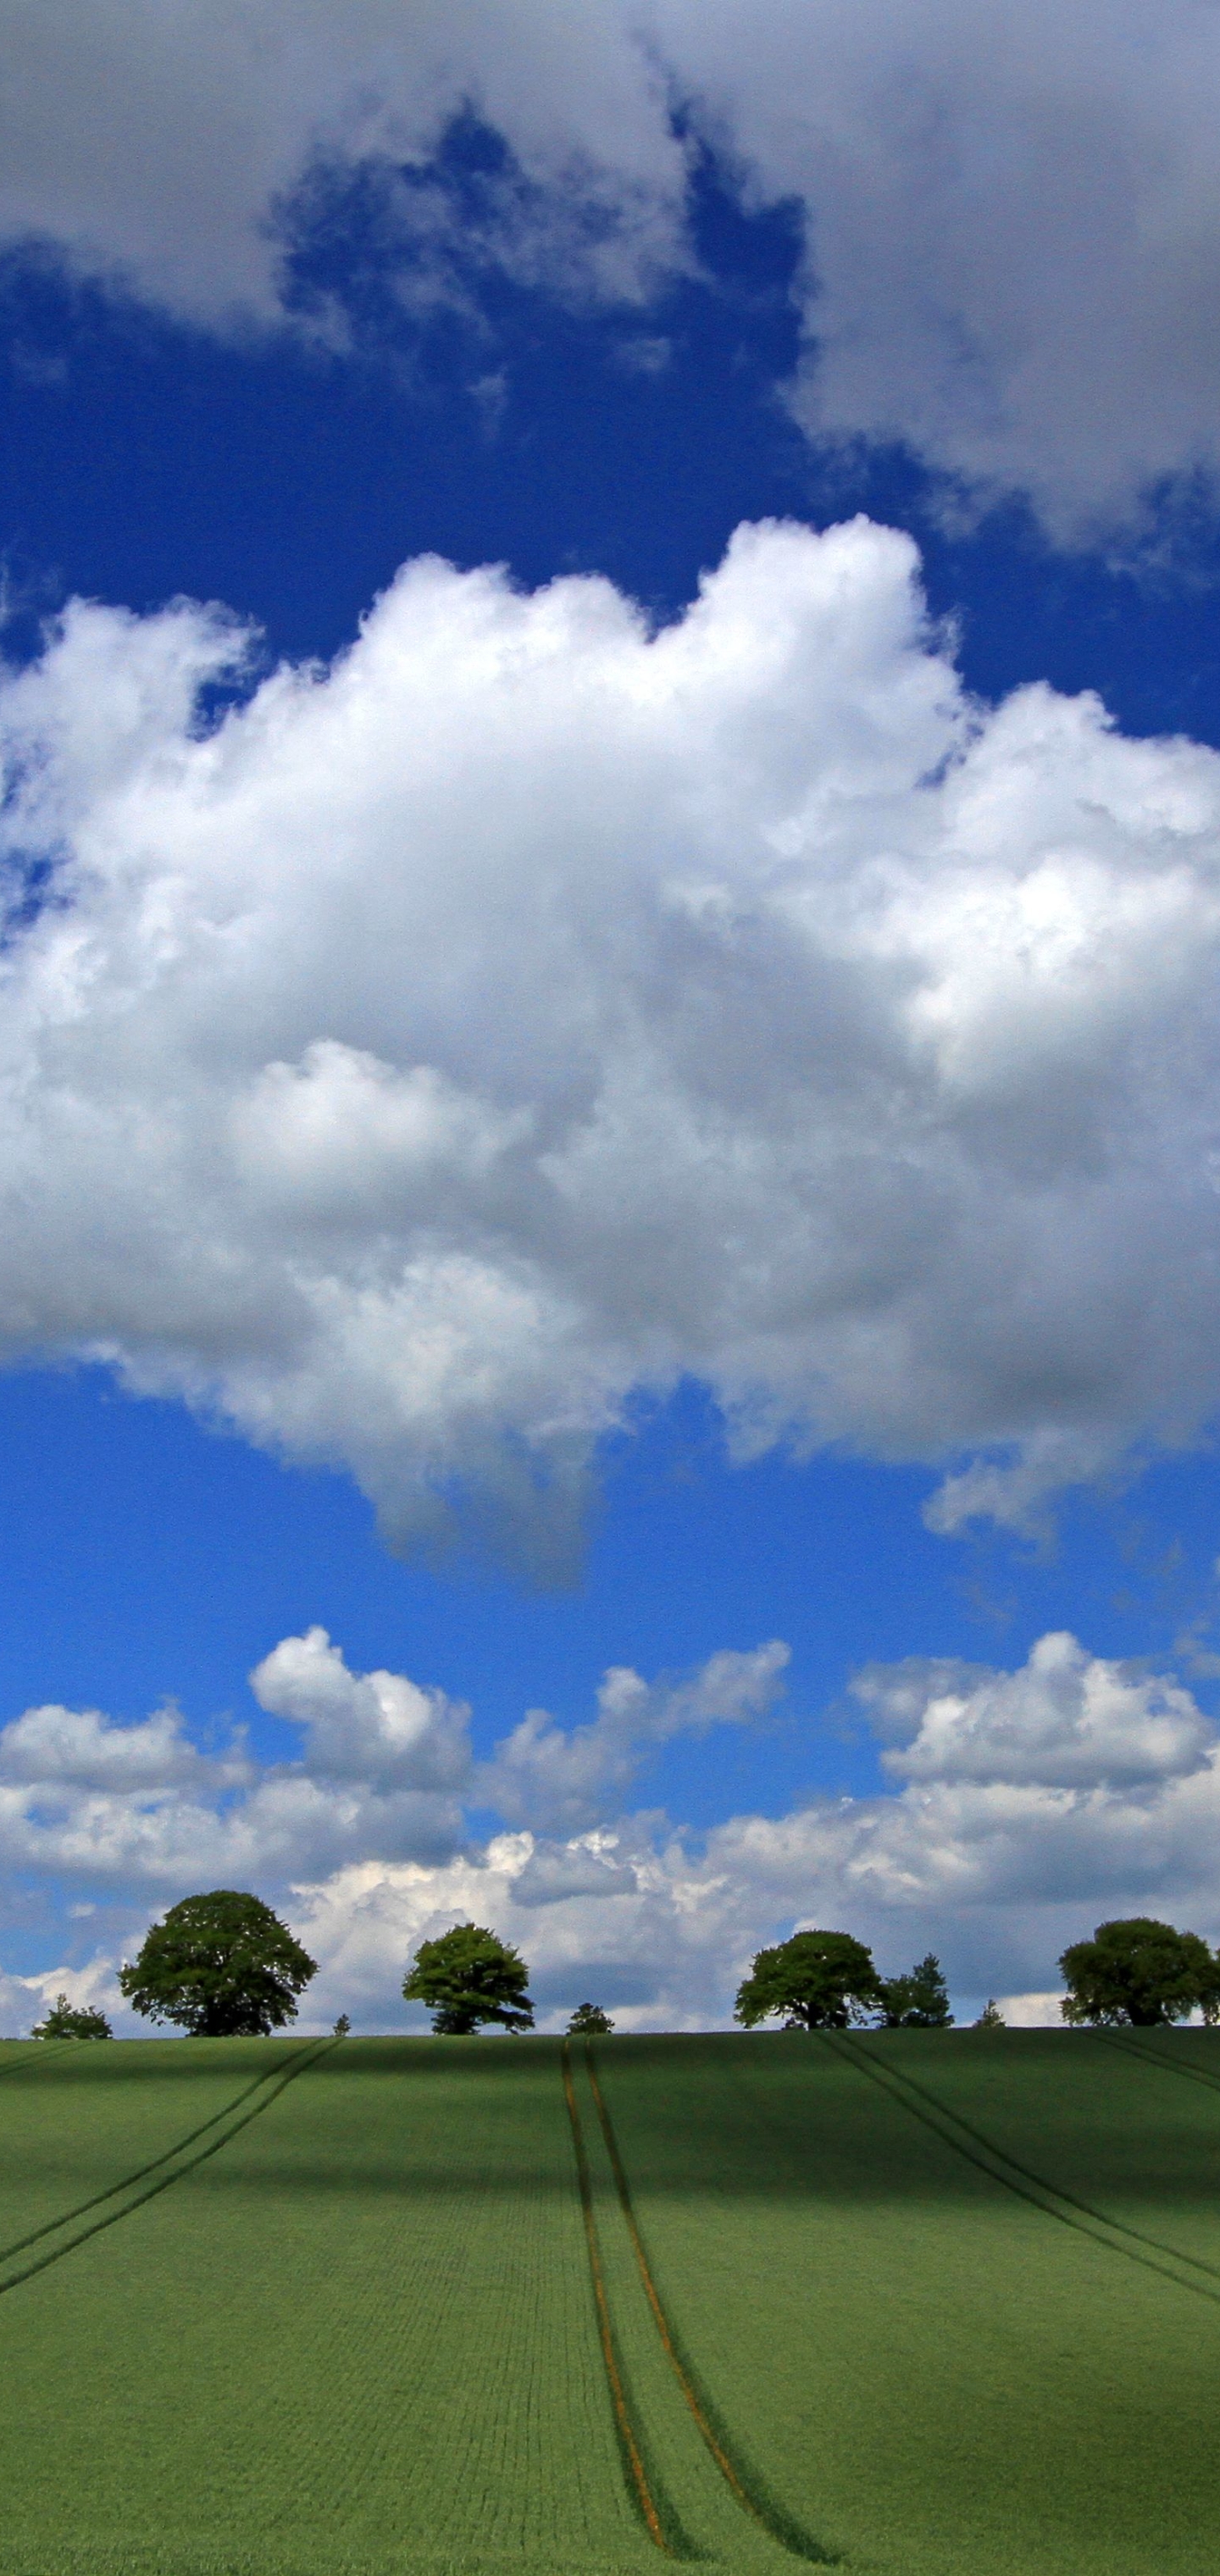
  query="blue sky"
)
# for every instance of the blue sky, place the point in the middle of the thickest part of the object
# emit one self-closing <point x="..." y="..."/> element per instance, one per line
<point x="610" y="1129"/>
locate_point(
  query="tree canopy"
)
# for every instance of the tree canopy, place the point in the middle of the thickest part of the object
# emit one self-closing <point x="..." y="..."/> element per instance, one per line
<point x="1139" y="1971"/>
<point x="468" y="1977"/>
<point x="918" y="2001"/>
<point x="589" y="2022"/>
<point x="221" y="1966"/>
<point x="817" y="1980"/>
<point x="72" y="2021"/>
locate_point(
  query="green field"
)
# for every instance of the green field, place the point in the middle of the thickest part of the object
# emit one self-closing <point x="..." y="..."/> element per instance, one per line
<point x="919" y="2303"/>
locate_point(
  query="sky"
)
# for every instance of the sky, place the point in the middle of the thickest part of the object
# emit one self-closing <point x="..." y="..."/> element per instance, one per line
<point x="609" y="1081"/>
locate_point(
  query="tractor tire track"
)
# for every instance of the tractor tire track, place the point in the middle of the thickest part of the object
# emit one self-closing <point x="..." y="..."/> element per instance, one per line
<point x="127" y="2182"/>
<point x="639" y="2487"/>
<point x="1050" y="2198"/>
<point x="56" y="2253"/>
<point x="1152" y="2057"/>
<point x="748" y="2491"/>
<point x="47" y="2048"/>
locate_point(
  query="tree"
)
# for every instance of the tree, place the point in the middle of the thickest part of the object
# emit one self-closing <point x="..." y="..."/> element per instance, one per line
<point x="221" y="1966"/>
<point x="991" y="2017"/>
<point x="817" y="1980"/>
<point x="918" y="2001"/>
<point x="342" y="2026"/>
<point x="1140" y="1972"/>
<point x="468" y="1977"/>
<point x="71" y="2021"/>
<point x="589" y="2022"/>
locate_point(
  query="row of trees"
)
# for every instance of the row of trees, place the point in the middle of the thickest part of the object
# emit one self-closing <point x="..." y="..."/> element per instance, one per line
<point x="1136" y="1971"/>
<point x="223" y="1965"/>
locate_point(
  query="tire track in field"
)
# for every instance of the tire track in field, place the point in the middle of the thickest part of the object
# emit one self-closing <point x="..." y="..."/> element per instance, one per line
<point x="638" y="2484"/>
<point x="126" y="2182"/>
<point x="51" y="2047"/>
<point x="274" y="2085"/>
<point x="1020" y="2179"/>
<point x="748" y="2491"/>
<point x="1153" y="2057"/>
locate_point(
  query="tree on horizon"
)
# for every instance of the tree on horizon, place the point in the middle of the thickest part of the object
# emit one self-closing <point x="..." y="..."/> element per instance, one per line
<point x="1140" y="1972"/>
<point x="221" y="1966"/>
<point x="817" y="1980"/>
<point x="468" y="1978"/>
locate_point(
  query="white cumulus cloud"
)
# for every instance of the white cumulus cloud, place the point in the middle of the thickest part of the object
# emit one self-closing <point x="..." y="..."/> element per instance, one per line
<point x="364" y="1726"/>
<point x="1068" y="1718"/>
<point x="457" y="1044"/>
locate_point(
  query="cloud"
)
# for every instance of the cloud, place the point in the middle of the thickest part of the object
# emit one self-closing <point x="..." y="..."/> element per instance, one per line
<point x="164" y="149"/>
<point x="364" y="1726"/>
<point x="79" y="1749"/>
<point x="119" y="1807"/>
<point x="1032" y="1805"/>
<point x="384" y="1774"/>
<point x="544" y="1776"/>
<point x="1068" y="1719"/>
<point x="1012" y="217"/>
<point x="456" y="1047"/>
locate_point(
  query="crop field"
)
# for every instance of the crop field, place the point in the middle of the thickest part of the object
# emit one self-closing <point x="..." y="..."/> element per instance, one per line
<point x="909" y="2303"/>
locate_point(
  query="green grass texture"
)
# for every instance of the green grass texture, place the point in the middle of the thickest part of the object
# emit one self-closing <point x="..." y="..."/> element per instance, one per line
<point x="908" y="2303"/>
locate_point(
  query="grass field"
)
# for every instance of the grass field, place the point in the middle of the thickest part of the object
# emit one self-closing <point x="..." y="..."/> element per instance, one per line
<point x="915" y="2303"/>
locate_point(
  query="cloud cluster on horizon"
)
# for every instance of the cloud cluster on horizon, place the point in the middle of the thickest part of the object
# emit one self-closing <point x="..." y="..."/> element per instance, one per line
<point x="1012" y="216"/>
<point x="455" y="1047"/>
<point x="1032" y="1804"/>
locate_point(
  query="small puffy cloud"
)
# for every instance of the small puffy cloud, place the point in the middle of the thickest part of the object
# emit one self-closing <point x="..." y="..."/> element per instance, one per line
<point x="378" y="1727"/>
<point x="456" y="1047"/>
<point x="1067" y="1719"/>
<point x="547" y="1776"/>
<point x="80" y="1749"/>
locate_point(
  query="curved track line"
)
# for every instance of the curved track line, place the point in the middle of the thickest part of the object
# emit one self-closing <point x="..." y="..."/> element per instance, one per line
<point x="126" y="2181"/>
<point x="774" y="2524"/>
<point x="626" y="2431"/>
<point x="50" y="2047"/>
<point x="57" y="2252"/>
<point x="1032" y="2187"/>
<point x="1152" y="2057"/>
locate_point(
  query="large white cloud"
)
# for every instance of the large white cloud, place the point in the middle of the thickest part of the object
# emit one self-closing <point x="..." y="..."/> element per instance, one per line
<point x="1013" y="215"/>
<point x="463" y="1041"/>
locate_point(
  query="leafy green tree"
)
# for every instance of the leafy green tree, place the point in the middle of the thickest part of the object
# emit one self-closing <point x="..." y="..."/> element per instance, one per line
<point x="468" y="1977"/>
<point x="918" y="2001"/>
<point x="342" y="2026"/>
<point x="72" y="2021"/>
<point x="991" y="2017"/>
<point x="589" y="2022"/>
<point x="221" y="1966"/>
<point x="1139" y="1971"/>
<point x="817" y="1980"/>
